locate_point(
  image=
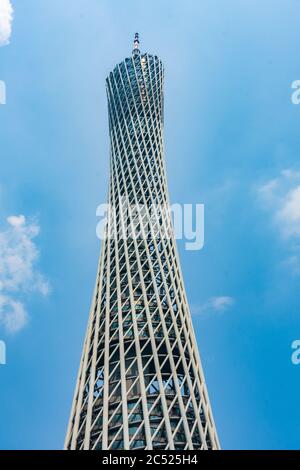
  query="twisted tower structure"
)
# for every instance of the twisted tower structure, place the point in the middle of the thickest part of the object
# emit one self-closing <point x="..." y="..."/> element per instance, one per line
<point x="140" y="383"/>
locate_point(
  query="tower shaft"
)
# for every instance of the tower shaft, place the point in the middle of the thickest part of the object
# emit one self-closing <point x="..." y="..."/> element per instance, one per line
<point x="140" y="383"/>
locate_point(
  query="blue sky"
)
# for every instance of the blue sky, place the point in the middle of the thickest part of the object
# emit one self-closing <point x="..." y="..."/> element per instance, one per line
<point x="232" y="143"/>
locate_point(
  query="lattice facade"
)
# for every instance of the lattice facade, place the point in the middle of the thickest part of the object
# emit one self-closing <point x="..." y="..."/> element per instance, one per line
<point x="140" y="382"/>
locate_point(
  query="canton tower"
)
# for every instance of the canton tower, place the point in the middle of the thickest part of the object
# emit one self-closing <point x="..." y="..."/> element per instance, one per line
<point x="140" y="383"/>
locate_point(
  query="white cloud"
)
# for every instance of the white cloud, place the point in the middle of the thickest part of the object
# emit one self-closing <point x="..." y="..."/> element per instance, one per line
<point x="220" y="304"/>
<point x="289" y="214"/>
<point x="267" y="191"/>
<point x="6" y="19"/>
<point x="13" y="315"/>
<point x="214" y="305"/>
<point x="16" y="220"/>
<point x="18" y="274"/>
<point x="281" y="197"/>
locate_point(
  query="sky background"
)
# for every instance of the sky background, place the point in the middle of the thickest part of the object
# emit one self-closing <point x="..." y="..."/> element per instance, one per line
<point x="231" y="142"/>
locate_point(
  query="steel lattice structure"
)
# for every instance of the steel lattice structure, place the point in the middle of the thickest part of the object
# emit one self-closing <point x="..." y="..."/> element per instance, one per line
<point x="140" y="382"/>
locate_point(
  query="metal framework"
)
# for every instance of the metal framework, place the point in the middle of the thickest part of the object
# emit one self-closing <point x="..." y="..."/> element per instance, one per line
<point x="140" y="383"/>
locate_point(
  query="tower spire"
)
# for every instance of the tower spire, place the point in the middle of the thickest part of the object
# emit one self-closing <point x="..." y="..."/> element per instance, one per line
<point x="136" y="44"/>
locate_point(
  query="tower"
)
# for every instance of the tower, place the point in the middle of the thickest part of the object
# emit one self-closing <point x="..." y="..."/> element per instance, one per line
<point x="140" y="383"/>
